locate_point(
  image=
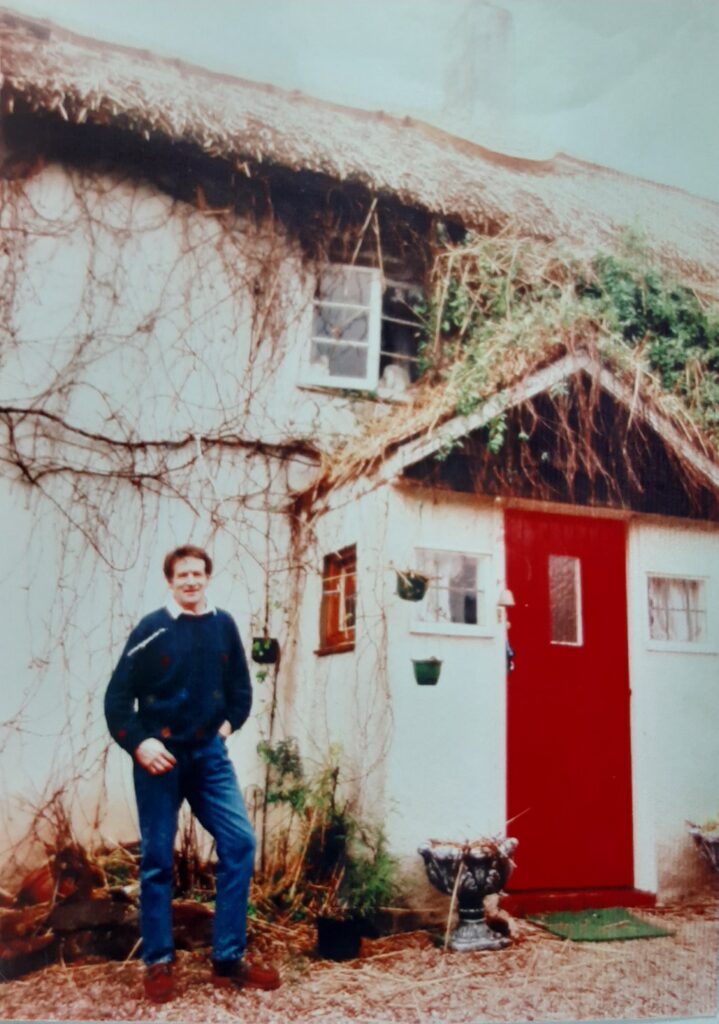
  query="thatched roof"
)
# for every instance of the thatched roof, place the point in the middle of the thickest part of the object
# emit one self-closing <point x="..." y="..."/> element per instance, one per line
<point x="51" y="70"/>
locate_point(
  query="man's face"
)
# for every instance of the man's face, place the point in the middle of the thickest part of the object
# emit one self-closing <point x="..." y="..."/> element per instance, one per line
<point x="188" y="584"/>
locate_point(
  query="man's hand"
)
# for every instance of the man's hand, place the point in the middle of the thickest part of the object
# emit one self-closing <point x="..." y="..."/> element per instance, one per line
<point x="225" y="730"/>
<point x="154" y="756"/>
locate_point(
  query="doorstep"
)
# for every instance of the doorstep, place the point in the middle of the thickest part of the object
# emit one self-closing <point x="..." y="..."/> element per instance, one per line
<point x="542" y="901"/>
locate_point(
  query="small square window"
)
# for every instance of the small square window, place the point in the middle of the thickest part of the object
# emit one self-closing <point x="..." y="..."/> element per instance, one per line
<point x="677" y="609"/>
<point x="337" y="611"/>
<point x="456" y="599"/>
<point x="364" y="331"/>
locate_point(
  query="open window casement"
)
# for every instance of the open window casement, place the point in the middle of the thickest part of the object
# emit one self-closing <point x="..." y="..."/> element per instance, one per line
<point x="363" y="331"/>
<point x="399" y="337"/>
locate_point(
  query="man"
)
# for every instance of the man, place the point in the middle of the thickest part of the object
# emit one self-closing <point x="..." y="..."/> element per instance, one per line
<point x="180" y="688"/>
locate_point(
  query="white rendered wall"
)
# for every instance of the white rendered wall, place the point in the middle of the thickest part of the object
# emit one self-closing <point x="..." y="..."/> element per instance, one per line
<point x="68" y="616"/>
<point x="675" y="712"/>
<point x="142" y="312"/>
<point x="341" y="700"/>
<point x="428" y="761"/>
<point x="446" y="775"/>
<point x="128" y="316"/>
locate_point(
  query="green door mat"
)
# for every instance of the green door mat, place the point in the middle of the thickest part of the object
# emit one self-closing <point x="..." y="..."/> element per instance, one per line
<point x="598" y="925"/>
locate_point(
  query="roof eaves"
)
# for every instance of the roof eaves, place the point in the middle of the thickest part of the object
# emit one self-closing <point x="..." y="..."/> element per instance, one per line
<point x="685" y="446"/>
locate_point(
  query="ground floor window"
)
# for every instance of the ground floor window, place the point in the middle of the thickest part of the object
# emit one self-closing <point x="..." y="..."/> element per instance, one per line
<point x="337" y="610"/>
<point x="677" y="609"/>
<point x="456" y="600"/>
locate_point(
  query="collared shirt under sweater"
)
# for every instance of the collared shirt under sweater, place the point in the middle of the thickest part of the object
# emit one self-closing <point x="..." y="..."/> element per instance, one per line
<point x="178" y="679"/>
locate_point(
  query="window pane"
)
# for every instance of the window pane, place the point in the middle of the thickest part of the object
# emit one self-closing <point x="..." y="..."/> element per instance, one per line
<point x="677" y="609"/>
<point x="454" y="593"/>
<point x="337" y="614"/>
<point x="564" y="601"/>
<point x="345" y="285"/>
<point x="400" y="328"/>
<point x="336" y="359"/>
<point x="341" y="323"/>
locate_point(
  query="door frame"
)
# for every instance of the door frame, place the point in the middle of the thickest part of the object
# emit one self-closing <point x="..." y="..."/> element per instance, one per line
<point x="643" y="799"/>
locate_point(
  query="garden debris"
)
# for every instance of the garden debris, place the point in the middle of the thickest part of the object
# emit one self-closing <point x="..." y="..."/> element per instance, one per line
<point x="68" y="872"/>
<point x="81" y="904"/>
<point x="100" y="913"/>
<point x="540" y="977"/>
<point x="498" y="919"/>
<point x="706" y="840"/>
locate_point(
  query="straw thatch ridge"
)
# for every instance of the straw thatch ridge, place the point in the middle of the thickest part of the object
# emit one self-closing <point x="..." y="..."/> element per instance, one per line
<point x="52" y="70"/>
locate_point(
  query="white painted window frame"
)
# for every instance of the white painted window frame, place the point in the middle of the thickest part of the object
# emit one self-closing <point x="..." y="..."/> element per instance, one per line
<point x="707" y="646"/>
<point x="484" y="583"/>
<point x="374" y="318"/>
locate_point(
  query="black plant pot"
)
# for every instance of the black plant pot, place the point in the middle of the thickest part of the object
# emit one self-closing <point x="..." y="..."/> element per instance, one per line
<point x="338" y="938"/>
<point x="411" y="586"/>
<point x="265" y="650"/>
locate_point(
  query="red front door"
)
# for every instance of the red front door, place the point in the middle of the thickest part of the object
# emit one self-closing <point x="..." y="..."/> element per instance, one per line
<point x="568" y="742"/>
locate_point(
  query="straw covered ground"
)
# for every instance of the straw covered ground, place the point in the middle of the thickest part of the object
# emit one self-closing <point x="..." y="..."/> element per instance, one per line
<point x="407" y="978"/>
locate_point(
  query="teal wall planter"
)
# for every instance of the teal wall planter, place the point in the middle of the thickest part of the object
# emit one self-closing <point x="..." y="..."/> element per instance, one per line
<point x="426" y="671"/>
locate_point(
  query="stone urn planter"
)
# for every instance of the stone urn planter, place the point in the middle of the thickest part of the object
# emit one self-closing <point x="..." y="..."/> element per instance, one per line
<point x="468" y="872"/>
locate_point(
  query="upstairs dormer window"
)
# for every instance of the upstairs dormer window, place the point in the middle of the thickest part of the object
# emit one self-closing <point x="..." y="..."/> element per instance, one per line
<point x="365" y="332"/>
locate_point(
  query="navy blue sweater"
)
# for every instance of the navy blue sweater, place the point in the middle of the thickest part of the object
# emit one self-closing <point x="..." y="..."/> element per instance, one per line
<point x="178" y="679"/>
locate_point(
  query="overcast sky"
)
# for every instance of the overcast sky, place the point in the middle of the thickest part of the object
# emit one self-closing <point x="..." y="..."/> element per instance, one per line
<point x="631" y="84"/>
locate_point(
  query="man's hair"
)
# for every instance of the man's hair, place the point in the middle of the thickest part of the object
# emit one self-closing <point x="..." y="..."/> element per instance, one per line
<point x="185" y="551"/>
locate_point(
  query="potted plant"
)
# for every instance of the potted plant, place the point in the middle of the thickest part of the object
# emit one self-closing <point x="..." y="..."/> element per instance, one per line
<point x="339" y="936"/>
<point x="265" y="650"/>
<point x="411" y="585"/>
<point x="427" y="670"/>
<point x="369" y="882"/>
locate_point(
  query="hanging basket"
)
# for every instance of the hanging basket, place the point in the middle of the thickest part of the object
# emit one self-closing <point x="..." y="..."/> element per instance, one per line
<point x="426" y="671"/>
<point x="265" y="650"/>
<point x="411" y="586"/>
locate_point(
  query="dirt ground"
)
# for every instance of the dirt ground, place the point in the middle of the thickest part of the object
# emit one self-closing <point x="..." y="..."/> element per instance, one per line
<point x="408" y="978"/>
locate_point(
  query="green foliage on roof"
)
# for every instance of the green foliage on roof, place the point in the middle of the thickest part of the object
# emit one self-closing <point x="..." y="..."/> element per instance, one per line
<point x="500" y="307"/>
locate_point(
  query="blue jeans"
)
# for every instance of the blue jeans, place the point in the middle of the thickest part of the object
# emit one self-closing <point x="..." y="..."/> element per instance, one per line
<point x="204" y="776"/>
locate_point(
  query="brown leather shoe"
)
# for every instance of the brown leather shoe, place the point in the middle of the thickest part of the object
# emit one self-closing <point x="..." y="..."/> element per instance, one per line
<point x="244" y="974"/>
<point x="159" y="983"/>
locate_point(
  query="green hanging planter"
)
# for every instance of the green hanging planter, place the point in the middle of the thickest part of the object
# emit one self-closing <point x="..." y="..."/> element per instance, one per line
<point x="265" y="650"/>
<point x="411" y="586"/>
<point x="427" y="670"/>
